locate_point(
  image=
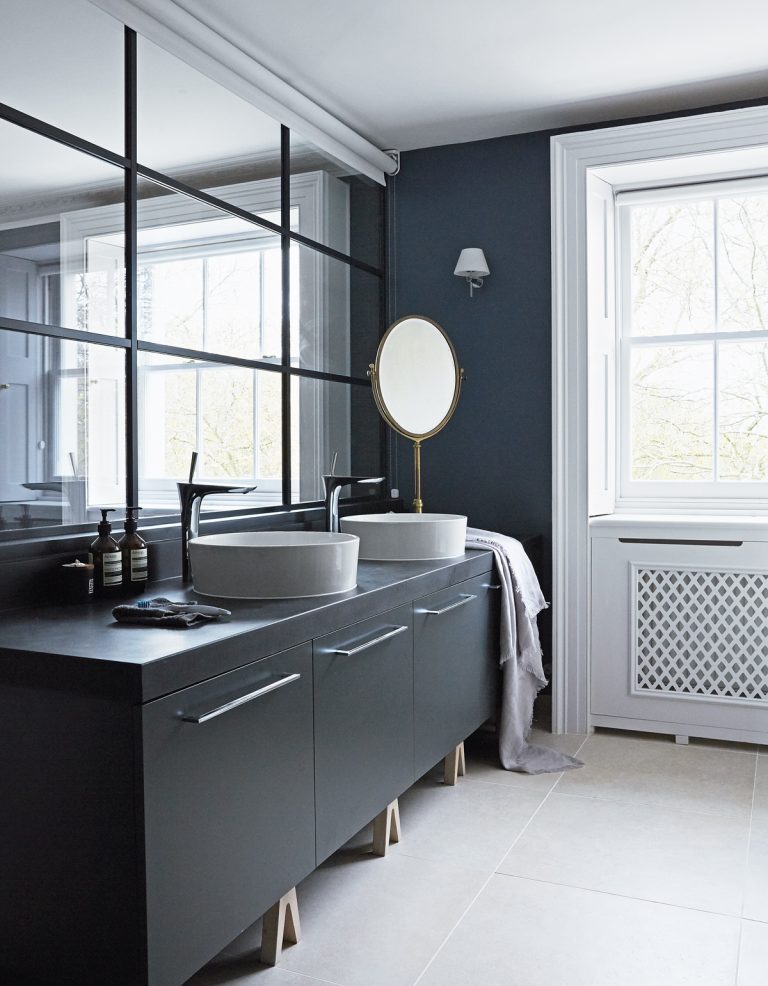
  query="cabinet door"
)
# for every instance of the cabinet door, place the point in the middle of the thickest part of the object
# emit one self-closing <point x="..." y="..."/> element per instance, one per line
<point x="363" y="724"/>
<point x="229" y="807"/>
<point x="456" y="665"/>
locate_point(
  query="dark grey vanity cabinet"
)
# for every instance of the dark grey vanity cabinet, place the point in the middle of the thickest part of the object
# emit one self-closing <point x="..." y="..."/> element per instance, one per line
<point x="363" y="724"/>
<point x="456" y="666"/>
<point x="229" y="813"/>
<point x="162" y="789"/>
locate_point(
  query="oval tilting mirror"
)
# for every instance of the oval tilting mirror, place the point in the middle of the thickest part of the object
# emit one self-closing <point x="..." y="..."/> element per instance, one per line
<point x="416" y="383"/>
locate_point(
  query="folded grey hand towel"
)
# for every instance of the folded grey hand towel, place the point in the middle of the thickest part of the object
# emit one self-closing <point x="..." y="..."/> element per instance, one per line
<point x="161" y="612"/>
<point x="156" y="616"/>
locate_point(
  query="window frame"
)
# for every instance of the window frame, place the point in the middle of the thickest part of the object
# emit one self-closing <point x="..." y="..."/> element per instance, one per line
<point x="641" y="495"/>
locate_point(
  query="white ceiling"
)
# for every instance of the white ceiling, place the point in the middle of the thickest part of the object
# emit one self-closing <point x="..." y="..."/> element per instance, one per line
<point x="416" y="73"/>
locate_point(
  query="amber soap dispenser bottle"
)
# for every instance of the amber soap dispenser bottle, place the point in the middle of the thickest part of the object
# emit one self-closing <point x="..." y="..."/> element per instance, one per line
<point x="133" y="548"/>
<point x="106" y="558"/>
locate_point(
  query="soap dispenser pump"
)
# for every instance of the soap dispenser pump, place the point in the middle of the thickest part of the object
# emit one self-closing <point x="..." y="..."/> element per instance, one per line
<point x="106" y="558"/>
<point x="133" y="549"/>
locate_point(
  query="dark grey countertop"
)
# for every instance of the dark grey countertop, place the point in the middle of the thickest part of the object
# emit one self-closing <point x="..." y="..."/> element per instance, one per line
<point x="82" y="648"/>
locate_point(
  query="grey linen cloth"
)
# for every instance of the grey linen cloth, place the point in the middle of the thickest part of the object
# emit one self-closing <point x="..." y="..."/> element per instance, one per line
<point x="162" y="612"/>
<point x="520" y="656"/>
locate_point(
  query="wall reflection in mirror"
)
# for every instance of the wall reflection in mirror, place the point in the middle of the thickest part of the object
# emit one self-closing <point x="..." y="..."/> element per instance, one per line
<point x="62" y="430"/>
<point x="51" y="272"/>
<point x="62" y="61"/>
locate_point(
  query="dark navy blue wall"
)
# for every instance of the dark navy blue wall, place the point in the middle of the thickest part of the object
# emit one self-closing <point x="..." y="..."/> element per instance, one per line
<point x="492" y="461"/>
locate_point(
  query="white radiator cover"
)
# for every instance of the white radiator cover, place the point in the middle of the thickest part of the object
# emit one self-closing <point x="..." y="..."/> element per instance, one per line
<point x="700" y="633"/>
<point x="679" y="637"/>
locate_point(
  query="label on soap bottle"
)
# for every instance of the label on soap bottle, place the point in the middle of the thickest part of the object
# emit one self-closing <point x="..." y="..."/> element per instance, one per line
<point x="139" y="565"/>
<point x="112" y="568"/>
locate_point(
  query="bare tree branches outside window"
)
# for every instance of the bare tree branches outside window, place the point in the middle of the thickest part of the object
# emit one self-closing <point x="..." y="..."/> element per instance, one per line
<point x="697" y="338"/>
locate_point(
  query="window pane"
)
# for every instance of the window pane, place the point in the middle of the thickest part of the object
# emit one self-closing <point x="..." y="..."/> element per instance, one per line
<point x="62" y="431"/>
<point x="330" y="417"/>
<point x="672" y="413"/>
<point x="60" y="266"/>
<point x="197" y="131"/>
<point x="672" y="268"/>
<point x="230" y="415"/>
<point x="743" y="259"/>
<point x="337" y="207"/>
<point x="62" y="61"/>
<point x="335" y="314"/>
<point x="207" y="280"/>
<point x="743" y="411"/>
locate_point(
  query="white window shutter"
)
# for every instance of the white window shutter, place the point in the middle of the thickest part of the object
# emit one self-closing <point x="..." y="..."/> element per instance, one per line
<point x="601" y="320"/>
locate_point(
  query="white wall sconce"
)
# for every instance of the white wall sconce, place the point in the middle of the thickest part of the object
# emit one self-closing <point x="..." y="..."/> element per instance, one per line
<point x="472" y="266"/>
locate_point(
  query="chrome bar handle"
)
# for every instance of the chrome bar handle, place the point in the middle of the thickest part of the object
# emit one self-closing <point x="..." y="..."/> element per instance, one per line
<point x="371" y="643"/>
<point x="285" y="679"/>
<point x="446" y="609"/>
<point x="489" y="585"/>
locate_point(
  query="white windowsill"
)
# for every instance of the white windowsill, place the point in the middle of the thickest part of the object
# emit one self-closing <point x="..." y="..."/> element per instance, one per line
<point x="695" y="527"/>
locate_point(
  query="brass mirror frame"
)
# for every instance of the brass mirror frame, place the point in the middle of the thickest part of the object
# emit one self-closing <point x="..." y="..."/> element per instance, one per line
<point x="416" y="438"/>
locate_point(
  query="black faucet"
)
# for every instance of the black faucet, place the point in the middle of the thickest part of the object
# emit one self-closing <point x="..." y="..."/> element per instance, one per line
<point x="333" y="485"/>
<point x="190" y="499"/>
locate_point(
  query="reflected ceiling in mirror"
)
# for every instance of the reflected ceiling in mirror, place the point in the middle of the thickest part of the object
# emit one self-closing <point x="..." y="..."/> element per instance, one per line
<point x="416" y="377"/>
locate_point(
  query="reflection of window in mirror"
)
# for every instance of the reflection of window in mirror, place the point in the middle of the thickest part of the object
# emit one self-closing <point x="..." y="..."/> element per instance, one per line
<point x="230" y="414"/>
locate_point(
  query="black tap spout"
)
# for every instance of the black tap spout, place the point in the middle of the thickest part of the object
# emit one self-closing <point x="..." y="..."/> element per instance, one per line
<point x="333" y="486"/>
<point x="191" y="496"/>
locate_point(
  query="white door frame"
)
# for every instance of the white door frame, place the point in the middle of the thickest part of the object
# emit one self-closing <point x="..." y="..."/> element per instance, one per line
<point x="571" y="156"/>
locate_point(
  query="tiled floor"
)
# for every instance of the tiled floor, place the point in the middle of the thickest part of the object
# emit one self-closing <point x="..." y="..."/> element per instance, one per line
<point x="647" y="867"/>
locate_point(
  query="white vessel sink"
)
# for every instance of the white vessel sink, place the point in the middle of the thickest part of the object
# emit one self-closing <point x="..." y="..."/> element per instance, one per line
<point x="408" y="537"/>
<point x="274" y="564"/>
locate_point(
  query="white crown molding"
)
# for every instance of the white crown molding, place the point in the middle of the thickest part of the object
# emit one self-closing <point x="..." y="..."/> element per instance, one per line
<point x="571" y="156"/>
<point x="180" y="33"/>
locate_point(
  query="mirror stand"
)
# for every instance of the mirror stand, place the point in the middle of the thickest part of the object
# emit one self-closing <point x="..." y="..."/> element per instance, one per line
<point x="418" y="506"/>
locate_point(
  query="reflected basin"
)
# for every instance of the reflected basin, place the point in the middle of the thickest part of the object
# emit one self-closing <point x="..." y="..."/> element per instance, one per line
<point x="408" y="537"/>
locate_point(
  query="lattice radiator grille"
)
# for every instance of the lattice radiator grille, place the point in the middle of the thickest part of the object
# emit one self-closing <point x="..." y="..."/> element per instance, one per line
<point x="702" y="633"/>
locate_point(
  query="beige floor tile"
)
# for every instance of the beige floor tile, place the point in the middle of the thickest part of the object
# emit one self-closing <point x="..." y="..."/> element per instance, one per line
<point x="376" y="922"/>
<point x="472" y="824"/>
<point x="524" y="933"/>
<point x="645" y="851"/>
<point x="760" y="803"/>
<point x="756" y="889"/>
<point x="753" y="954"/>
<point x="654" y="770"/>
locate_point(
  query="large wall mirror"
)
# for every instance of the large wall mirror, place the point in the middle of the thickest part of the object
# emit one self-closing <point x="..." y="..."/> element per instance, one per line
<point x="416" y="383"/>
<point x="98" y="408"/>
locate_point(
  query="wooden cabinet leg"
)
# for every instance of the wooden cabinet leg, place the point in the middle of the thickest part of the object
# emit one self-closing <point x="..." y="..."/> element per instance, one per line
<point x="386" y="828"/>
<point x="281" y="924"/>
<point x="454" y="765"/>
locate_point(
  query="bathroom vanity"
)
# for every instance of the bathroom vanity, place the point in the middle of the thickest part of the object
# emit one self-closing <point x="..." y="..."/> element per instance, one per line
<point x="163" y="788"/>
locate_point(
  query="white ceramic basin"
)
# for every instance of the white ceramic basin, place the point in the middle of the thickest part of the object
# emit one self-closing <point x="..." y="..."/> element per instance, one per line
<point x="407" y="537"/>
<point x="274" y="564"/>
